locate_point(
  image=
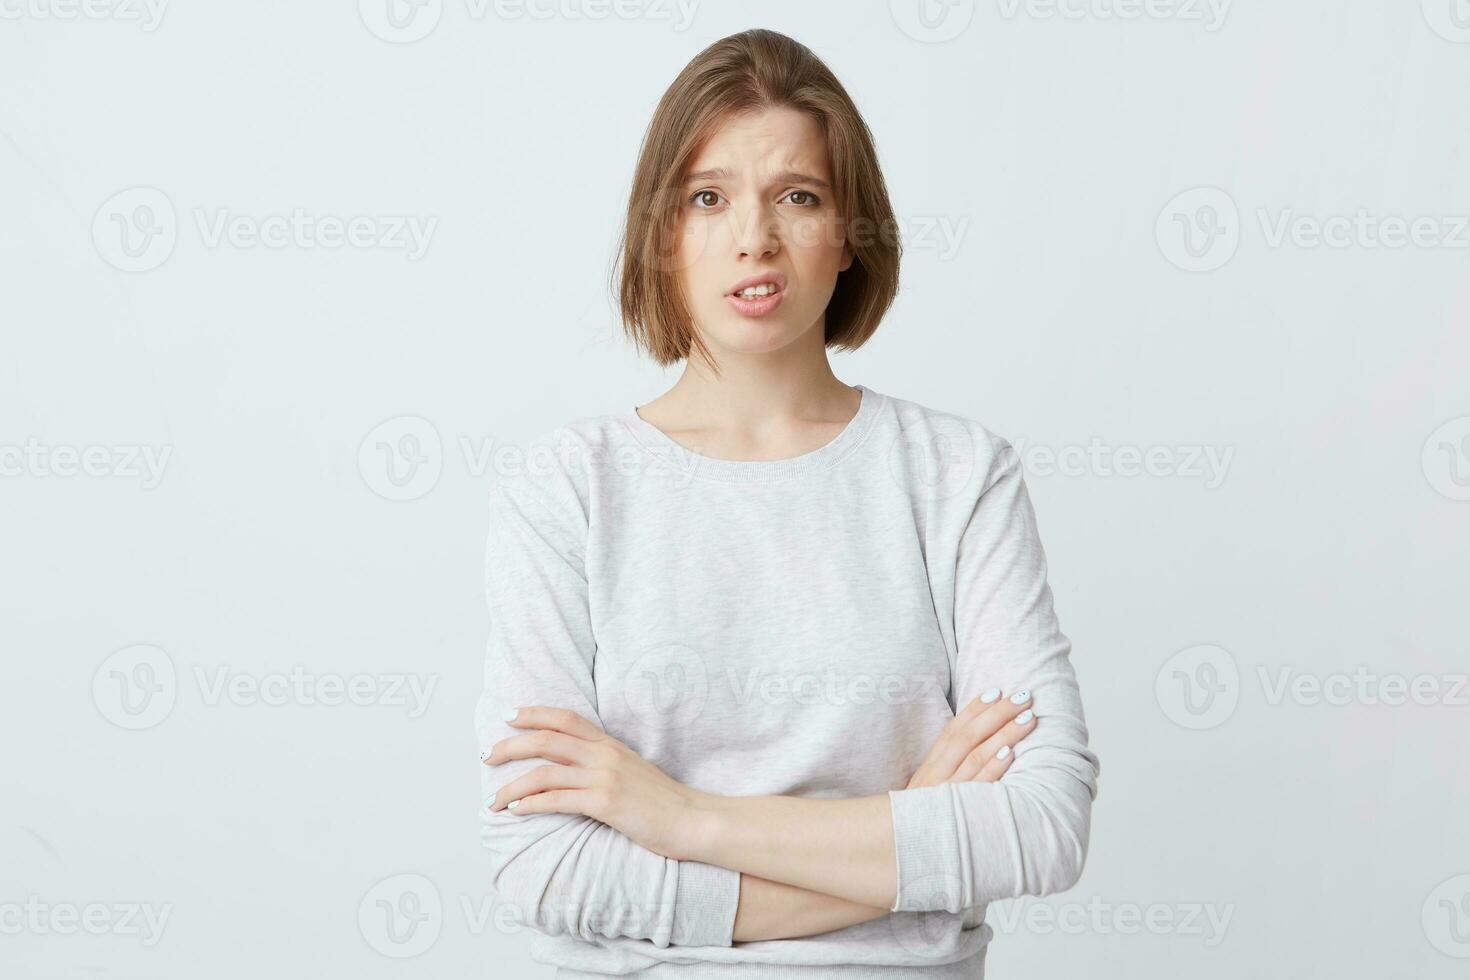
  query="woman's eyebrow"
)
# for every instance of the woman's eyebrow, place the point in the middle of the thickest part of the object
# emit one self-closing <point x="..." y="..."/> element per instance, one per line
<point x="784" y="177"/>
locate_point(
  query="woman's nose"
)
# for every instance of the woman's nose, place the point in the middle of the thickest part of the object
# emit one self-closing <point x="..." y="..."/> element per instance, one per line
<point x="756" y="231"/>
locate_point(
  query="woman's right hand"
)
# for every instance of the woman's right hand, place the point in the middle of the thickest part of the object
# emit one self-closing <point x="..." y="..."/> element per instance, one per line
<point x="977" y="745"/>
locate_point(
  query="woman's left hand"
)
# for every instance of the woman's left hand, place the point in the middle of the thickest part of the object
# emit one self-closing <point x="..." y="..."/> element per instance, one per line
<point x="598" y="777"/>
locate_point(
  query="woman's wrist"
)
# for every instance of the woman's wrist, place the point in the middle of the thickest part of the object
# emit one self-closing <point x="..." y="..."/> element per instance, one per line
<point x="701" y="825"/>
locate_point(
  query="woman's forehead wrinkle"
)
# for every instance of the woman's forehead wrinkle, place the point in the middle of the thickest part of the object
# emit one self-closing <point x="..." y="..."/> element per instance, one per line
<point x="759" y="152"/>
<point x="779" y="171"/>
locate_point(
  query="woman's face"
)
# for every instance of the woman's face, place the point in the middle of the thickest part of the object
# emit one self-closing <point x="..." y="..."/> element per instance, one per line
<point x="757" y="202"/>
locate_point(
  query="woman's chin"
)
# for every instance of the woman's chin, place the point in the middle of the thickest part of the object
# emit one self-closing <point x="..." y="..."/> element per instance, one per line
<point x="750" y="334"/>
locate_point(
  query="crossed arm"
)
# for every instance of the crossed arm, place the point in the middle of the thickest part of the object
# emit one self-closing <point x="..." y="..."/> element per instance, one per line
<point x="710" y="870"/>
<point x="807" y="866"/>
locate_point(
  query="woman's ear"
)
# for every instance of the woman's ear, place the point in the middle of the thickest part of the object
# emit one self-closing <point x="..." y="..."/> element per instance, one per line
<point x="847" y="256"/>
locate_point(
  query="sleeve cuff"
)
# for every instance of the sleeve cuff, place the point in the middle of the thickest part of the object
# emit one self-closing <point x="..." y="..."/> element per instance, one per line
<point x="928" y="835"/>
<point x="705" y="903"/>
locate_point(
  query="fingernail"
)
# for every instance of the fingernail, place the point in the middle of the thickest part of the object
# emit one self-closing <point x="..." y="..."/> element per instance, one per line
<point x="1024" y="718"/>
<point x="1020" y="697"/>
<point x="484" y="756"/>
<point x="1004" y="753"/>
<point x="511" y="714"/>
<point x="513" y="804"/>
<point x="990" y="696"/>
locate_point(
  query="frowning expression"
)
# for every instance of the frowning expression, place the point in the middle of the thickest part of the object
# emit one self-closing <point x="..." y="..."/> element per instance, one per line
<point x="760" y="240"/>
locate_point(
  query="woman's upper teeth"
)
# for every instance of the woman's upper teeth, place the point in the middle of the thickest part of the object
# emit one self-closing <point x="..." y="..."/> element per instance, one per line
<point x="764" y="289"/>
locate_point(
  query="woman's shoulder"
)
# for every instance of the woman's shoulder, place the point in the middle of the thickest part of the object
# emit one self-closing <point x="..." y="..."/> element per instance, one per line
<point x="561" y="460"/>
<point x="579" y="435"/>
<point x="943" y="444"/>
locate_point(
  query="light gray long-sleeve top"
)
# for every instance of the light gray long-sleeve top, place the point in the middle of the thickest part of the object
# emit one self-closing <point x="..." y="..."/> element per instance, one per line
<point x="801" y="627"/>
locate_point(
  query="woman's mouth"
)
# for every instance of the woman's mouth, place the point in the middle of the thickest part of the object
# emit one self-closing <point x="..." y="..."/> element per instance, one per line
<point x="757" y="297"/>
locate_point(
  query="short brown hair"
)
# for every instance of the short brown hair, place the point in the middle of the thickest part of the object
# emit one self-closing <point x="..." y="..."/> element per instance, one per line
<point x="752" y="70"/>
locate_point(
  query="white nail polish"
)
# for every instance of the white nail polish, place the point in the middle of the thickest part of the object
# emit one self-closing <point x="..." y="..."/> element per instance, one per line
<point x="1024" y="718"/>
<point x="484" y="756"/>
<point x="1004" y="753"/>
<point x="1020" y="697"/>
<point x="513" y="804"/>
<point x="511" y="714"/>
<point x="990" y="696"/>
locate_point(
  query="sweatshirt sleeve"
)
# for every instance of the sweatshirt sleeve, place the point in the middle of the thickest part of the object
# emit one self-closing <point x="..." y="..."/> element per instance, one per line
<point x="965" y="844"/>
<point x="569" y="873"/>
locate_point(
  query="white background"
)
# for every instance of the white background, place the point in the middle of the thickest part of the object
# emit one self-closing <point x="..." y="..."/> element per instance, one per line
<point x="1095" y="260"/>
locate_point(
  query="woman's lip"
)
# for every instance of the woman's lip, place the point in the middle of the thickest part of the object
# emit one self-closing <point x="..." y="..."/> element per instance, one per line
<point x="776" y="279"/>
<point x="756" y="305"/>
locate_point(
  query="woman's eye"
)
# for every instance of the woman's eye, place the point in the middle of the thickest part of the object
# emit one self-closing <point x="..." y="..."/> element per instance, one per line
<point x="705" y="200"/>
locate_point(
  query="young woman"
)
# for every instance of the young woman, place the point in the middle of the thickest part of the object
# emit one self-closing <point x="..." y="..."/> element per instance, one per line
<point x="774" y="686"/>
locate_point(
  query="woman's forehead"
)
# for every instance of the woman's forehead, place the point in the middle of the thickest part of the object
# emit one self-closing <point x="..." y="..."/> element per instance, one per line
<point x="770" y="145"/>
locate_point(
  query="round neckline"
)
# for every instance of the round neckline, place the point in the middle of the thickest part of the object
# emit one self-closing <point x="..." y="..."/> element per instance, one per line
<point x="663" y="446"/>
